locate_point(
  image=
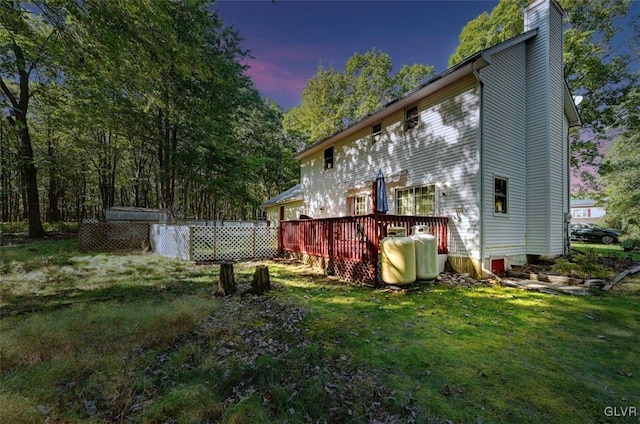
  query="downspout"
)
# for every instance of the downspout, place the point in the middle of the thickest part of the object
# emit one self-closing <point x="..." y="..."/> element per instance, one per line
<point x="567" y="212"/>
<point x="481" y="164"/>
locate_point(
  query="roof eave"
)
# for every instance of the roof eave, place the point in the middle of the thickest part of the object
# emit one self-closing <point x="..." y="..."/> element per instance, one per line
<point x="570" y="108"/>
<point x="450" y="75"/>
<point x="282" y="202"/>
<point x="472" y="63"/>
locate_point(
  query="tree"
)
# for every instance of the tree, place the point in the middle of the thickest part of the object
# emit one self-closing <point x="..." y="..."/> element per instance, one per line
<point x="595" y="67"/>
<point x="620" y="170"/>
<point x="26" y="43"/>
<point x="333" y="100"/>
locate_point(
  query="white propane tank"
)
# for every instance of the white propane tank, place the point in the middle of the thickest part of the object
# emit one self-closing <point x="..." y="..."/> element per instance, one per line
<point x="426" y="246"/>
<point x="397" y="258"/>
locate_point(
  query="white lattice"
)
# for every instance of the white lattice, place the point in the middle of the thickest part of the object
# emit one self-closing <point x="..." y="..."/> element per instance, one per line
<point x="214" y="244"/>
<point x="233" y="243"/>
<point x="170" y="240"/>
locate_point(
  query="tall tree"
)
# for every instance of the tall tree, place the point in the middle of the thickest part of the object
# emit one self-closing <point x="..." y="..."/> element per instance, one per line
<point x="620" y="169"/>
<point x="26" y="44"/>
<point x="596" y="66"/>
<point x="333" y="100"/>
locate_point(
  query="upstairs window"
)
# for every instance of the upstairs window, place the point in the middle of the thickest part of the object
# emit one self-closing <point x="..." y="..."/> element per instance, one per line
<point x="411" y="118"/>
<point x="500" y="199"/>
<point x="376" y="132"/>
<point x="328" y="158"/>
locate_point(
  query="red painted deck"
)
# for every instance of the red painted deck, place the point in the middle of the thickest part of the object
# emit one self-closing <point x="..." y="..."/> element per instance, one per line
<point x="350" y="244"/>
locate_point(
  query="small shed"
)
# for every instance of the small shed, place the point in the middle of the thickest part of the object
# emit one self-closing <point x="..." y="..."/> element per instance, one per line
<point x="125" y="214"/>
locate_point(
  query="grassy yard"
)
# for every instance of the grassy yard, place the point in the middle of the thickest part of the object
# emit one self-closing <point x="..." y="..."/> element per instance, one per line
<point x="610" y="250"/>
<point x="140" y="338"/>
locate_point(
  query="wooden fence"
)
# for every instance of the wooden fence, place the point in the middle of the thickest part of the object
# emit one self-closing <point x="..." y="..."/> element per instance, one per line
<point x="349" y="246"/>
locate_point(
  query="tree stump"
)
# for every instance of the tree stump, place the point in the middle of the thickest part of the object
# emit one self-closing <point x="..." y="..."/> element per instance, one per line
<point x="227" y="281"/>
<point x="261" y="282"/>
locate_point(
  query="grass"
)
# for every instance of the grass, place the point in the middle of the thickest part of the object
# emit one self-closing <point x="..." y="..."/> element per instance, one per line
<point x="610" y="250"/>
<point x="139" y="338"/>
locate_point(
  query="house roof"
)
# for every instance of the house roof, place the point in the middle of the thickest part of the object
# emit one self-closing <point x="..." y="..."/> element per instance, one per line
<point x="582" y="203"/>
<point x="466" y="67"/>
<point x="291" y="195"/>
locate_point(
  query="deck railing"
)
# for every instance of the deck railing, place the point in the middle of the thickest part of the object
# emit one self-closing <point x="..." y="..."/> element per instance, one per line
<point x="351" y="242"/>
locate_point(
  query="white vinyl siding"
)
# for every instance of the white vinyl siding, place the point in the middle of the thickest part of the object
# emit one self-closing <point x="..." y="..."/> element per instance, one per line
<point x="546" y="154"/>
<point x="292" y="210"/>
<point x="505" y="151"/>
<point x="442" y="148"/>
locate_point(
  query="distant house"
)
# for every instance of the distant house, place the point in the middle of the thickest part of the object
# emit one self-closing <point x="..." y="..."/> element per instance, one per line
<point x="587" y="210"/>
<point x="484" y="143"/>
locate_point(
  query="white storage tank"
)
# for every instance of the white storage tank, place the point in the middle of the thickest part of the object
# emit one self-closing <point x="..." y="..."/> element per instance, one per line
<point x="397" y="258"/>
<point x="426" y="246"/>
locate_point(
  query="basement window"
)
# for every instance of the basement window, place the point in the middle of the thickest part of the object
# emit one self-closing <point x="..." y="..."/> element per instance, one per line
<point x="328" y="158"/>
<point x="500" y="198"/>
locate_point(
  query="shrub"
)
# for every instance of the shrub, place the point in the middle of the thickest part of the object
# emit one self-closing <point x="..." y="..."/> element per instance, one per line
<point x="630" y="244"/>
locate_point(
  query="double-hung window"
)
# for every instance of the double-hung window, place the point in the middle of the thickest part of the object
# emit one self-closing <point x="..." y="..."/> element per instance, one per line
<point x="328" y="158"/>
<point x="411" y="117"/>
<point x="376" y="132"/>
<point x="420" y="201"/>
<point x="357" y="205"/>
<point x="501" y="186"/>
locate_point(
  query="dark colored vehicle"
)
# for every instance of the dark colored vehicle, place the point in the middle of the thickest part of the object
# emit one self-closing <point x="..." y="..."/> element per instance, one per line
<point x="594" y="233"/>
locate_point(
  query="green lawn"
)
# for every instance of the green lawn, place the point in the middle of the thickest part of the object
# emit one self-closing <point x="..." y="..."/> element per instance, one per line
<point x="140" y="338"/>
<point x="613" y="250"/>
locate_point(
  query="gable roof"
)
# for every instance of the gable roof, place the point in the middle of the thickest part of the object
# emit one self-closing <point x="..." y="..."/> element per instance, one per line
<point x="583" y="203"/>
<point x="466" y="67"/>
<point x="291" y="195"/>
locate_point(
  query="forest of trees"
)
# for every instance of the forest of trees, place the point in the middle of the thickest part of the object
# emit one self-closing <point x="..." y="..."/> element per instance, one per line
<point x="147" y="104"/>
<point x="136" y="104"/>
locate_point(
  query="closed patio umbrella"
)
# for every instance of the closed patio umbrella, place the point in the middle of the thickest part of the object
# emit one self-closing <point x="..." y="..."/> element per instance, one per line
<point x="382" y="205"/>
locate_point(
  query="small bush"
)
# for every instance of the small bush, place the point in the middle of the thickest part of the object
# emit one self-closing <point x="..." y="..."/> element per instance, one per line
<point x="583" y="265"/>
<point x="630" y="244"/>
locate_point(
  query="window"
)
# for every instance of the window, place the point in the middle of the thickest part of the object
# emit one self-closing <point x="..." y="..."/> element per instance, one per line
<point x="328" y="158"/>
<point x="425" y="200"/>
<point x="411" y="118"/>
<point x="376" y="132"/>
<point x="500" y="199"/>
<point x="357" y="205"/>
<point x="361" y="205"/>
<point x="580" y="213"/>
<point x="420" y="201"/>
<point x="403" y="202"/>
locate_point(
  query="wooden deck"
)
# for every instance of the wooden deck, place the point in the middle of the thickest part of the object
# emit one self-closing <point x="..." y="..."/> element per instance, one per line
<point x="349" y="246"/>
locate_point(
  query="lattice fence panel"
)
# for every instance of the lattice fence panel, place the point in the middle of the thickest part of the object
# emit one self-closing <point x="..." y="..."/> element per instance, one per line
<point x="105" y="236"/>
<point x="213" y="244"/>
<point x="344" y="269"/>
<point x="171" y="240"/>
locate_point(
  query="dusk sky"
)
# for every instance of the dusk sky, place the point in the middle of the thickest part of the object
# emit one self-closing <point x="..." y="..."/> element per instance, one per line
<point x="289" y="39"/>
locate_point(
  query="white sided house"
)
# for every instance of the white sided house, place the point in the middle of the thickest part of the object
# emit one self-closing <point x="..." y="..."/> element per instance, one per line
<point x="484" y="143"/>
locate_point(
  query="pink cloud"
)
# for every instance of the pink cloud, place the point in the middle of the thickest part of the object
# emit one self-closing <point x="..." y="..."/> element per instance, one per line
<point x="271" y="77"/>
<point x="281" y="72"/>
